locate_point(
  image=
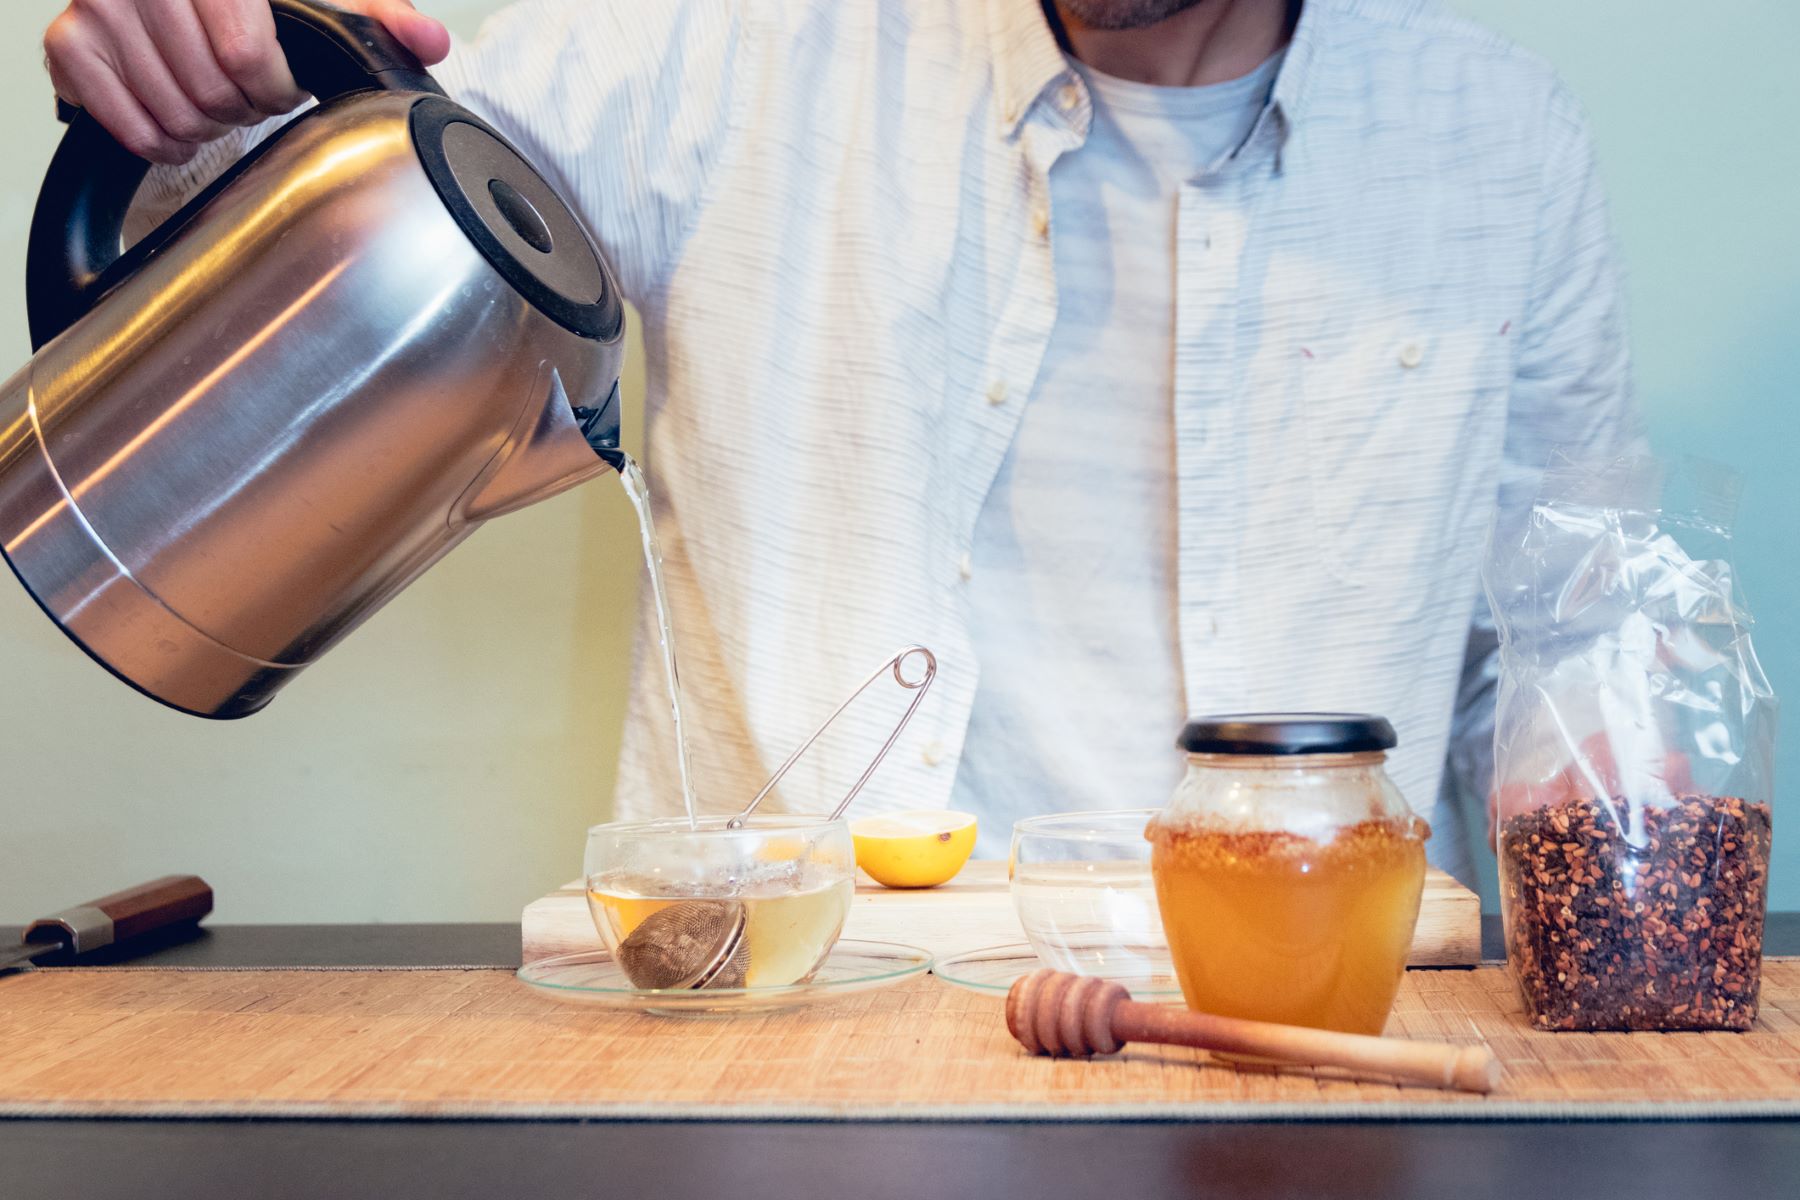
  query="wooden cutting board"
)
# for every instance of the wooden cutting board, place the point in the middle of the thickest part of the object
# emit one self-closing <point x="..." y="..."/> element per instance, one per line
<point x="975" y="910"/>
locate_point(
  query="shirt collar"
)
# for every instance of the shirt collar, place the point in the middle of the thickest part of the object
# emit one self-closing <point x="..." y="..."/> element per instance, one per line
<point x="1027" y="60"/>
<point x="1287" y="102"/>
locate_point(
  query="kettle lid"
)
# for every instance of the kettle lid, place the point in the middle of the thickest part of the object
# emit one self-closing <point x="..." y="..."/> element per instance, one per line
<point x="516" y="219"/>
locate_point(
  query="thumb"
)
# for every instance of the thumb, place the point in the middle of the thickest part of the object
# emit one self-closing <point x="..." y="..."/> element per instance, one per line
<point x="425" y="36"/>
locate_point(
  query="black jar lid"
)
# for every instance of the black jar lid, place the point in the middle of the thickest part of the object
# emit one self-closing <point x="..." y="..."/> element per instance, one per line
<point x="1288" y="733"/>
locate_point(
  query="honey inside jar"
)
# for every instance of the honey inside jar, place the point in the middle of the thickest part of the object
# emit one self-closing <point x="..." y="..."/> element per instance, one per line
<point x="1289" y="869"/>
<point x="1273" y="926"/>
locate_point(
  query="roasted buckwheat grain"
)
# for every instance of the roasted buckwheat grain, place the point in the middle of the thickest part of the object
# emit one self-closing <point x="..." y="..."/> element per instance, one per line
<point x="1661" y="930"/>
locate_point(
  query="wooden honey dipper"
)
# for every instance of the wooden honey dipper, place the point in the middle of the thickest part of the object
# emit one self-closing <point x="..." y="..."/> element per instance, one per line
<point x="1055" y="1013"/>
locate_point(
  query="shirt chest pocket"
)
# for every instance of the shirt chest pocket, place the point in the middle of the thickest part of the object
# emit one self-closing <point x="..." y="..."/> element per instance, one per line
<point x="1401" y="417"/>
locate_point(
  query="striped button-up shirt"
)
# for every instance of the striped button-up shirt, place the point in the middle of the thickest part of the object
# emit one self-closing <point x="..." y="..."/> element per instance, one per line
<point x="834" y="220"/>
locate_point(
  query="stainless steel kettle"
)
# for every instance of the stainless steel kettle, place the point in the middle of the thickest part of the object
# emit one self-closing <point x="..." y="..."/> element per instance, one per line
<point x="240" y="438"/>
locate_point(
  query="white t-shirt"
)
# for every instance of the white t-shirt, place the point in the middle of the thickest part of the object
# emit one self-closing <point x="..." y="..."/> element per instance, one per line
<point x="1072" y="576"/>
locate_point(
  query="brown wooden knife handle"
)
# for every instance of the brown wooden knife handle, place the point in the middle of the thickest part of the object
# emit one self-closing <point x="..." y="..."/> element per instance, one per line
<point x="171" y="900"/>
<point x="150" y="906"/>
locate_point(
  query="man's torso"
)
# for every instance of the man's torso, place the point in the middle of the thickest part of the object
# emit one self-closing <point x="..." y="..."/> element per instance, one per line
<point x="846" y="255"/>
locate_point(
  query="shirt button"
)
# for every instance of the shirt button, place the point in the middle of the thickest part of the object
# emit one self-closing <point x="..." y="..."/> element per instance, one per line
<point x="933" y="753"/>
<point x="1411" y="355"/>
<point x="966" y="568"/>
<point x="1040" y="223"/>
<point x="1209" y="625"/>
<point x="1067" y="97"/>
<point x="996" y="393"/>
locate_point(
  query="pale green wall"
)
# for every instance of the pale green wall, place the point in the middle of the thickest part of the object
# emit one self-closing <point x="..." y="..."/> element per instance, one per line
<point x="442" y="763"/>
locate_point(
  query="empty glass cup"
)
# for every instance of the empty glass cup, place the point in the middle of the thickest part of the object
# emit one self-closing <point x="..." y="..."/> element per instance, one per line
<point x="1082" y="887"/>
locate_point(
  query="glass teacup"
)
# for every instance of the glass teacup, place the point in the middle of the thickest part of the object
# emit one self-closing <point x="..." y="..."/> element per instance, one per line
<point x="681" y="907"/>
<point x="1082" y="888"/>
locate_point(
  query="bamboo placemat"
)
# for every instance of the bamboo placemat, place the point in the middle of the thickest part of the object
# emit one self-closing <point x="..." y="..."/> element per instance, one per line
<point x="475" y="1042"/>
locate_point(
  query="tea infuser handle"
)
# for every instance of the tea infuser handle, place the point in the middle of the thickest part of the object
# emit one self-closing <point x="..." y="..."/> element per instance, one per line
<point x="78" y="228"/>
<point x="896" y="665"/>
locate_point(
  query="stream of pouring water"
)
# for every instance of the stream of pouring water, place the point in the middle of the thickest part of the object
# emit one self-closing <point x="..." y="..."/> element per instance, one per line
<point x="639" y="491"/>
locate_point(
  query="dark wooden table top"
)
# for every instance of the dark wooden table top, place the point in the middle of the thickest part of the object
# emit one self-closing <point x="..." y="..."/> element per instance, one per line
<point x="445" y="1160"/>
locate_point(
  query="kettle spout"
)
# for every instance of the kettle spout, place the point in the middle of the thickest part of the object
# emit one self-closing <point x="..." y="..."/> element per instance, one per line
<point x="554" y="446"/>
<point x="600" y="426"/>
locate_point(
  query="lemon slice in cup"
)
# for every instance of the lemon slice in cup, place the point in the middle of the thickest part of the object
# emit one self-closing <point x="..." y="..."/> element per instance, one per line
<point x="913" y="849"/>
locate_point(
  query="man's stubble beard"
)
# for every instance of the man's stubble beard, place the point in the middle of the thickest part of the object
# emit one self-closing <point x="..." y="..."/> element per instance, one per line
<point x="1123" y="14"/>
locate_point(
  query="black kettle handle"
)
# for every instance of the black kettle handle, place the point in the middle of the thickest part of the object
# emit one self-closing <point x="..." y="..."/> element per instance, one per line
<point x="79" y="224"/>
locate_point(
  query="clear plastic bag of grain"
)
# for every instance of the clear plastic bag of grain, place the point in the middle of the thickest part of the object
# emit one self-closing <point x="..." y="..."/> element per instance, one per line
<point x="1633" y="752"/>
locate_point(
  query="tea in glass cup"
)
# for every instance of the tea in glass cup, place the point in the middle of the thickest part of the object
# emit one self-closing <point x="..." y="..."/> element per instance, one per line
<point x="683" y="906"/>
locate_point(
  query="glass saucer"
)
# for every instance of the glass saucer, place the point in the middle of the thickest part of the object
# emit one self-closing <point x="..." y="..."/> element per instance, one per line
<point x="993" y="970"/>
<point x="592" y="977"/>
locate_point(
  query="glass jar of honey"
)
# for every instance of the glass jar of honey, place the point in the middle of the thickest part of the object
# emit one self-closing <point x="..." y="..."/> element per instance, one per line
<point x="1289" y="868"/>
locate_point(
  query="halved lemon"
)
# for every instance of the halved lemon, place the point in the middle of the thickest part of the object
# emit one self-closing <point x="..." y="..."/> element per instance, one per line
<point x="913" y="849"/>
